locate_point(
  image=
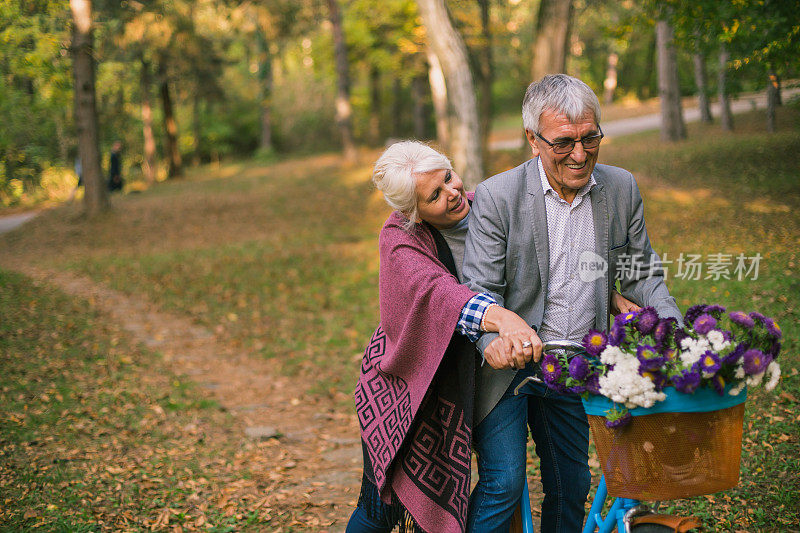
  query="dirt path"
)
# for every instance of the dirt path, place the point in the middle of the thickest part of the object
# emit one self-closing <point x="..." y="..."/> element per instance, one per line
<point x="316" y="471"/>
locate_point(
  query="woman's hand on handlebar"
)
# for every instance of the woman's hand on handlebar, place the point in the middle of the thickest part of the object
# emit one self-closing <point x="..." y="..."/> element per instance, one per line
<point x="520" y="341"/>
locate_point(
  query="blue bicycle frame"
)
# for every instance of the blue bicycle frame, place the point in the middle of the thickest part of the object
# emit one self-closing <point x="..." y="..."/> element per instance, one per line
<point x="618" y="516"/>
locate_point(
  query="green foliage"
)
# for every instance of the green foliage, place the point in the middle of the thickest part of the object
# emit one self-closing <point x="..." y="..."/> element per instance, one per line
<point x="35" y="94"/>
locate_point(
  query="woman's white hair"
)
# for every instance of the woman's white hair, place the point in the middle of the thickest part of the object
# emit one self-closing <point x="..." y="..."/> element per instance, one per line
<point x="396" y="170"/>
<point x="559" y="93"/>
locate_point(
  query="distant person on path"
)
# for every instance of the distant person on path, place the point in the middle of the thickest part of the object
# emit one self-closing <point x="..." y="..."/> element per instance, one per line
<point x="415" y="392"/>
<point x="548" y="240"/>
<point x="115" y="168"/>
<point x="78" y="172"/>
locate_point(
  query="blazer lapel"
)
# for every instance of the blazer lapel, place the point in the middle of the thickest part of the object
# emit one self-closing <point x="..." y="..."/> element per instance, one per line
<point x="602" y="284"/>
<point x="538" y="216"/>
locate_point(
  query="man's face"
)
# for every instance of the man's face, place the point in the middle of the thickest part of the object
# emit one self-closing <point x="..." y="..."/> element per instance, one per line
<point x="566" y="172"/>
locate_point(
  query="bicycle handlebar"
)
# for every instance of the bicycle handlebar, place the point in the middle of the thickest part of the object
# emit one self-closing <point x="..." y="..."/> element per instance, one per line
<point x="558" y="344"/>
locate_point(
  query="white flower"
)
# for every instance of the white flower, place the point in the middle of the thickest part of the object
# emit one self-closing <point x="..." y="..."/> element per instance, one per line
<point x="717" y="340"/>
<point x="693" y="350"/>
<point x="739" y="372"/>
<point x="737" y="389"/>
<point x="774" y="370"/>
<point x="624" y="385"/>
<point x="612" y="354"/>
<point x="755" y="379"/>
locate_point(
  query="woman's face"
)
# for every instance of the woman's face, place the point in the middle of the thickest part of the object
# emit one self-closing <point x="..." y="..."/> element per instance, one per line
<point x="441" y="201"/>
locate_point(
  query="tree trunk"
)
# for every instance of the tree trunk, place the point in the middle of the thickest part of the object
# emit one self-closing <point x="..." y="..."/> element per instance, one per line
<point x="672" y="125"/>
<point x="725" y="115"/>
<point x="197" y="132"/>
<point x="96" y="193"/>
<point x="374" y="106"/>
<point x="265" y="87"/>
<point x="773" y="100"/>
<point x="610" y="83"/>
<point x="397" y="108"/>
<point x="701" y="81"/>
<point x="552" y="37"/>
<point x="418" y="96"/>
<point x="343" y="109"/>
<point x="149" y="156"/>
<point x="449" y="47"/>
<point x="485" y="78"/>
<point x="170" y="125"/>
<point x="439" y="98"/>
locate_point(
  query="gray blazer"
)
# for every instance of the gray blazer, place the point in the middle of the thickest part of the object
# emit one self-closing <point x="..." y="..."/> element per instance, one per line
<point x="507" y="254"/>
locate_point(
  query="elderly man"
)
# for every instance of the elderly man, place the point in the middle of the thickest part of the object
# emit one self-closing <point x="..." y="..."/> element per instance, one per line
<point x="546" y="240"/>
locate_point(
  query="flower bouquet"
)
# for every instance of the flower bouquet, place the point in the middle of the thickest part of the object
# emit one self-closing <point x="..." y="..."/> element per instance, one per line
<point x="642" y="355"/>
<point x="685" y="388"/>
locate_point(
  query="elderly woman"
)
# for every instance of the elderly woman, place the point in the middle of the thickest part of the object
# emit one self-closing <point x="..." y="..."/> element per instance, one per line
<point x="414" y="394"/>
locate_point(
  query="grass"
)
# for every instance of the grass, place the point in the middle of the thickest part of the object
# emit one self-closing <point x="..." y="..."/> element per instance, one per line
<point x="96" y="435"/>
<point x="281" y="261"/>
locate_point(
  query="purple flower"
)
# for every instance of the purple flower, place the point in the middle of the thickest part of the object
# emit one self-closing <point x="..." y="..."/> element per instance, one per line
<point x="551" y="369"/>
<point x="670" y="354"/>
<point x="649" y="358"/>
<point x="692" y="313"/>
<point x="773" y="328"/>
<point x="619" y="422"/>
<point x="704" y="323"/>
<point x="617" y="334"/>
<point x="686" y="382"/>
<point x="758" y="316"/>
<point x="595" y="342"/>
<point x="663" y="329"/>
<point x="578" y="368"/>
<point x="709" y="363"/>
<point x="625" y="318"/>
<point x="775" y="349"/>
<point x="719" y="384"/>
<point x="733" y="357"/>
<point x="680" y="334"/>
<point x="593" y="383"/>
<point x="648" y="318"/>
<point x="755" y="361"/>
<point x="727" y="335"/>
<point x="741" y="318"/>
<point x="576" y="389"/>
<point x="714" y="310"/>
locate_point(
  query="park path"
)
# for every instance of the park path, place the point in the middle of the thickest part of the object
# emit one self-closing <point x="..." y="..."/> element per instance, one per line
<point x="628" y="126"/>
<point x="314" y="453"/>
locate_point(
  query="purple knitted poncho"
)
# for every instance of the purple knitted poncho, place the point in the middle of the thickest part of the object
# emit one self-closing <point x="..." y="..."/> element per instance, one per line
<point x="426" y="464"/>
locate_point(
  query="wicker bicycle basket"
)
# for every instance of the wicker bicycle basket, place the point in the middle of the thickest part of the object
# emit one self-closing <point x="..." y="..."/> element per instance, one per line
<point x="687" y="445"/>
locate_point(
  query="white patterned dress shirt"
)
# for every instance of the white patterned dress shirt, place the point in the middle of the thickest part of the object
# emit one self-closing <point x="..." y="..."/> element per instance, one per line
<point x="569" y="310"/>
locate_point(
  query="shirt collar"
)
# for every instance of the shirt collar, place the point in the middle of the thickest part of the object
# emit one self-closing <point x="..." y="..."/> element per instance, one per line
<point x="547" y="187"/>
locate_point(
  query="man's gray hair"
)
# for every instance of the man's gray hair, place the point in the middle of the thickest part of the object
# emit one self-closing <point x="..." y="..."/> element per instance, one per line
<point x="559" y="93"/>
<point x="396" y="170"/>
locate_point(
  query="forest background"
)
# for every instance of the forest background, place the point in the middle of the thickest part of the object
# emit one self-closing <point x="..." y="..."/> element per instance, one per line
<point x="189" y="82"/>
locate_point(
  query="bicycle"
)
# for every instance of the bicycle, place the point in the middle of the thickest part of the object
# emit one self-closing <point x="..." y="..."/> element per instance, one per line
<point x="627" y="513"/>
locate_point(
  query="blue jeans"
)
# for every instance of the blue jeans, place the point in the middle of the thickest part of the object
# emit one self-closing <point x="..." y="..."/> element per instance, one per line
<point x="561" y="434"/>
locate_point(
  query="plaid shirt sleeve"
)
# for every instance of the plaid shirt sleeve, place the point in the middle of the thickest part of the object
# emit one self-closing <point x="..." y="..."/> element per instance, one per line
<point x="469" y="323"/>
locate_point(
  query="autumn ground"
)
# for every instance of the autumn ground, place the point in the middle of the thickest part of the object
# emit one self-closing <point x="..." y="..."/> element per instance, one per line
<point x="141" y="349"/>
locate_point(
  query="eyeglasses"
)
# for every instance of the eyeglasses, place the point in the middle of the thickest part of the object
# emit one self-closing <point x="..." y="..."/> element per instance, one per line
<point x="566" y="147"/>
